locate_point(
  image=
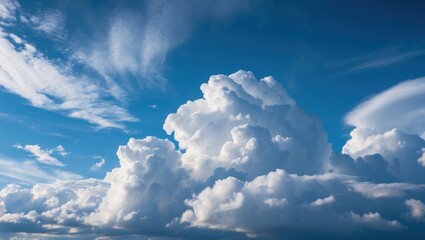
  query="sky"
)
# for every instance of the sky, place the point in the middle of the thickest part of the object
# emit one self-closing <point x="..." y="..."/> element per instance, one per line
<point x="212" y="119"/>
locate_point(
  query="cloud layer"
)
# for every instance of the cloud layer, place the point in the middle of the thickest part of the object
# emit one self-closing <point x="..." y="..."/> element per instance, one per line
<point x="249" y="163"/>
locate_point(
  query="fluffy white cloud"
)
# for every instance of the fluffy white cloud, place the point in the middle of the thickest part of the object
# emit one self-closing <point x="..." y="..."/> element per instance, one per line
<point x="323" y="201"/>
<point x="400" y="151"/>
<point x="232" y="204"/>
<point x="7" y="10"/>
<point x="44" y="156"/>
<point x="247" y="125"/>
<point x="417" y="208"/>
<point x="249" y="162"/>
<point x="401" y="107"/>
<point x="149" y="183"/>
<point x="56" y="207"/>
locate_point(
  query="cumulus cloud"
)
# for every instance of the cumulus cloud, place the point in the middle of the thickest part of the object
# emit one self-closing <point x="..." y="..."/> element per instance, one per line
<point x="421" y="159"/>
<point x="248" y="162"/>
<point x="401" y="107"/>
<point x="55" y="207"/>
<point x="150" y="184"/>
<point x="399" y="152"/>
<point x="44" y="156"/>
<point x="233" y="204"/>
<point x="247" y="125"/>
<point x="323" y="201"/>
<point x="381" y="190"/>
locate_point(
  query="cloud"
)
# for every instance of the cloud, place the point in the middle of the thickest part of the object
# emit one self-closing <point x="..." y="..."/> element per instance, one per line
<point x="323" y="201"/>
<point x="54" y="207"/>
<point x="384" y="59"/>
<point x="137" y="43"/>
<point x="44" y="156"/>
<point x="150" y="184"/>
<point x="417" y="208"/>
<point x="134" y="47"/>
<point x="248" y="163"/>
<point x="7" y="10"/>
<point x="28" y="172"/>
<point x="28" y="73"/>
<point x="232" y="204"/>
<point x="374" y="220"/>
<point x="98" y="165"/>
<point x="372" y="190"/>
<point x="396" y="154"/>
<point x="401" y="107"/>
<point x="50" y="22"/>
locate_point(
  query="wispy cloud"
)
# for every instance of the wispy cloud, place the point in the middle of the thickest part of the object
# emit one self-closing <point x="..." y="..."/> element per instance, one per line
<point x="379" y="59"/>
<point x="49" y="22"/>
<point x="386" y="60"/>
<point x="7" y="11"/>
<point x="98" y="165"/>
<point x="138" y="43"/>
<point x="28" y="73"/>
<point x="131" y="52"/>
<point x="28" y="172"/>
<point x="401" y="107"/>
<point x="44" y="155"/>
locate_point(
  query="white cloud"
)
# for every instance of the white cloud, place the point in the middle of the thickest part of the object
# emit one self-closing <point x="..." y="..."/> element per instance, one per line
<point x="98" y="165"/>
<point x="385" y="58"/>
<point x="323" y="201"/>
<point x="381" y="190"/>
<point x="7" y="10"/>
<point x="54" y="207"/>
<point x="27" y="73"/>
<point x="29" y="173"/>
<point x="135" y="45"/>
<point x="49" y="22"/>
<point x="400" y="152"/>
<point x="276" y="195"/>
<point x="44" y="156"/>
<point x="149" y="183"/>
<point x="138" y="43"/>
<point x="417" y="208"/>
<point x="249" y="162"/>
<point x="374" y="220"/>
<point x="276" y="202"/>
<point x="401" y="107"/>
<point x="60" y="150"/>
<point x="421" y="159"/>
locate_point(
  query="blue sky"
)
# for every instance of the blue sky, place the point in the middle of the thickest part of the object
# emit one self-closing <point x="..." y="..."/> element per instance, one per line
<point x="89" y="90"/>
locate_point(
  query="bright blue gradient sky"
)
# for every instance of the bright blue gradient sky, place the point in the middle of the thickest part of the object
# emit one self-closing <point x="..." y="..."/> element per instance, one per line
<point x="113" y="70"/>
